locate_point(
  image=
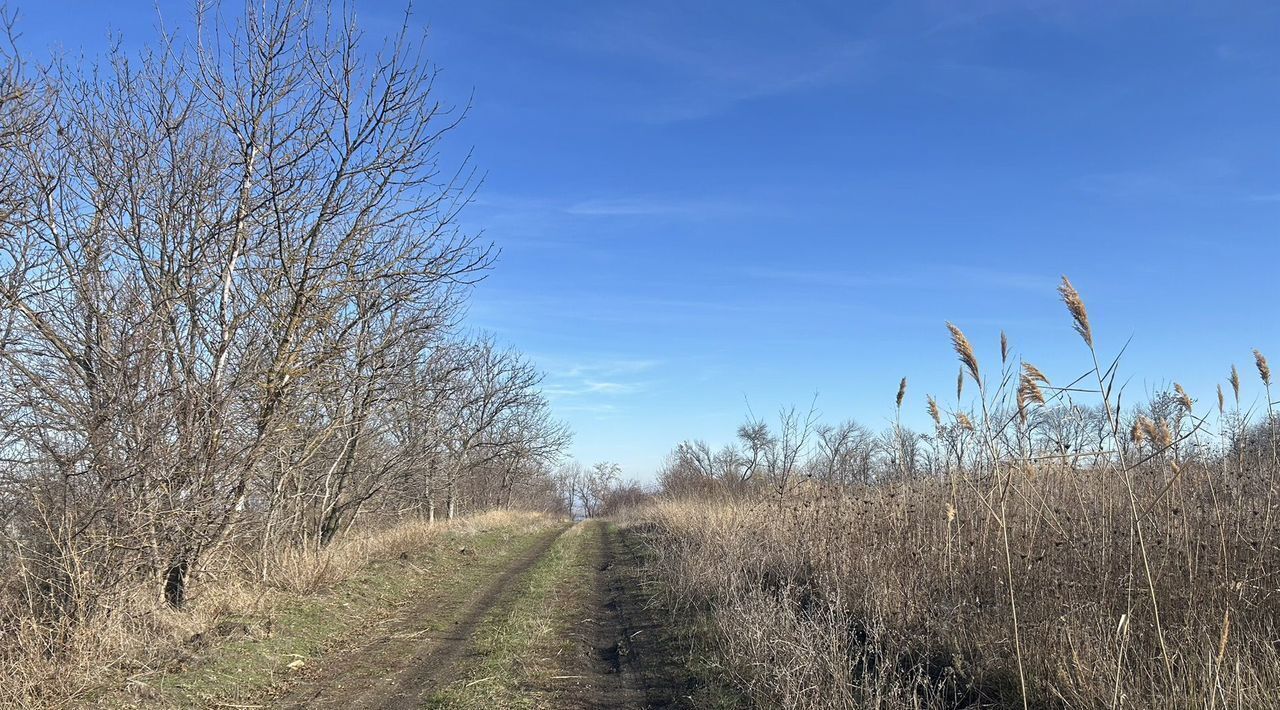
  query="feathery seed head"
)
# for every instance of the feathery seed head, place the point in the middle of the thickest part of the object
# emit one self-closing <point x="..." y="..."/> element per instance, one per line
<point x="1004" y="348"/>
<point x="1034" y="373"/>
<point x="902" y="391"/>
<point x="1150" y="431"/>
<point x="933" y="411"/>
<point x="1264" y="370"/>
<point x="1184" y="399"/>
<point x="1235" y="383"/>
<point x="1138" y="432"/>
<point x="1075" y="304"/>
<point x="1028" y="391"/>
<point x="965" y="352"/>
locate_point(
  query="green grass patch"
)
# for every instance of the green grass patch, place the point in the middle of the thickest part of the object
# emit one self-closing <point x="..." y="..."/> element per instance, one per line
<point x="305" y="628"/>
<point x="523" y="646"/>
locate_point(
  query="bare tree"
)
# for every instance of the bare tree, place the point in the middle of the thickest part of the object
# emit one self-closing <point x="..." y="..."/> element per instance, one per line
<point x="499" y="418"/>
<point x="783" y="452"/>
<point x="844" y="453"/>
<point x="600" y="480"/>
<point x="224" y="265"/>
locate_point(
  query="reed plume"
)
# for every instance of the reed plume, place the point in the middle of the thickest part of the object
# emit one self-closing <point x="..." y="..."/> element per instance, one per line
<point x="1071" y="297"/>
<point x="964" y="351"/>
<point x="1184" y="399"/>
<point x="1034" y="372"/>
<point x="1028" y="389"/>
<point x="902" y="391"/>
<point x="1138" y="432"/>
<point x="1235" y="383"/>
<point x="1004" y="348"/>
<point x="1264" y="370"/>
<point x="934" y="414"/>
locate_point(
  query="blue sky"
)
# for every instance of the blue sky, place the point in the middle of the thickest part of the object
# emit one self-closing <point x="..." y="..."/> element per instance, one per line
<point x="705" y="206"/>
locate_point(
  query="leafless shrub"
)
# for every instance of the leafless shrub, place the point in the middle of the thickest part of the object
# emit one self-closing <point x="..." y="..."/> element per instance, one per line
<point x="231" y="277"/>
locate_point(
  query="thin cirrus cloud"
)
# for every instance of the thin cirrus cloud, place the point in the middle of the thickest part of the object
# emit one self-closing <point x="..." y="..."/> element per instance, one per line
<point x="626" y="205"/>
<point x="1204" y="178"/>
<point x="694" y="75"/>
<point x="918" y="276"/>
<point x="594" y="387"/>
<point x="575" y="310"/>
<point x="1264" y="197"/>
<point x="610" y="367"/>
<point x="657" y="206"/>
<point x="1135" y="184"/>
<point x="588" y="387"/>
<point x="712" y="90"/>
<point x="599" y="410"/>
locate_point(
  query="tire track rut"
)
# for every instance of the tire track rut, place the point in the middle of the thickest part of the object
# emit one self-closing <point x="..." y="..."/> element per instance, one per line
<point x="634" y="656"/>
<point x="405" y="664"/>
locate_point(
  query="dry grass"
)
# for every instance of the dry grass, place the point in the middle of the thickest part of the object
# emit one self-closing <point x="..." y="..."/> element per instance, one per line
<point x="1137" y="568"/>
<point x="141" y="634"/>
<point x="870" y="598"/>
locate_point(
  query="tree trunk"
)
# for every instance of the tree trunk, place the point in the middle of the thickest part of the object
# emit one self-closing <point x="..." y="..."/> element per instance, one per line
<point x="175" y="583"/>
<point x="329" y="527"/>
<point x="451" y="495"/>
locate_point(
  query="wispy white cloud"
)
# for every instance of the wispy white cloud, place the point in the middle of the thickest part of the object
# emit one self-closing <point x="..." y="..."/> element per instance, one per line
<point x="654" y="206"/>
<point x="690" y="74"/>
<point x="1264" y="197"/>
<point x="685" y="72"/>
<point x="537" y="218"/>
<point x="608" y="367"/>
<point x="915" y="276"/>
<point x="597" y="408"/>
<point x="590" y="387"/>
<point x="1214" y="178"/>
<point x="721" y="83"/>
<point x="959" y="17"/>
<point x="815" y="277"/>
<point x="595" y="385"/>
<point x="1131" y="184"/>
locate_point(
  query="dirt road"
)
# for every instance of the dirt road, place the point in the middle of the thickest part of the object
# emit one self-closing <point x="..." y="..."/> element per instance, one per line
<point x="605" y="646"/>
<point x="634" y="660"/>
<point x="410" y="655"/>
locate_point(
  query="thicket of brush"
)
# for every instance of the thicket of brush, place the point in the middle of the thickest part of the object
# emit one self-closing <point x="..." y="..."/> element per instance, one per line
<point x="232" y="285"/>
<point x="1032" y="551"/>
